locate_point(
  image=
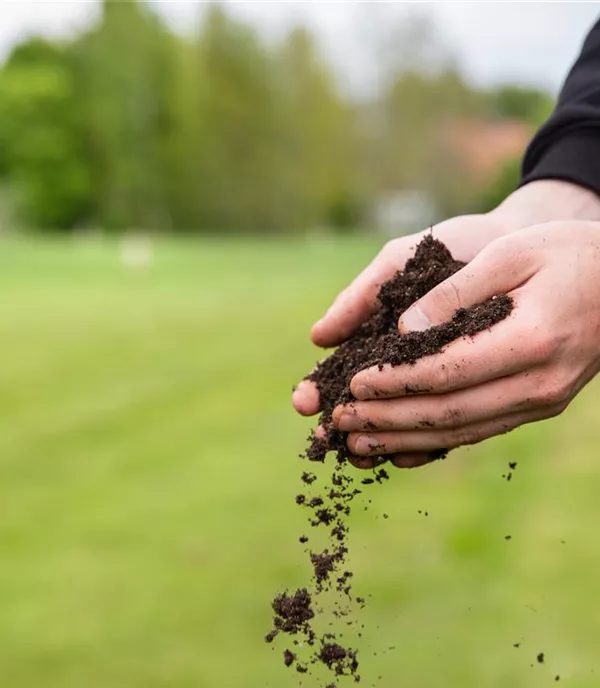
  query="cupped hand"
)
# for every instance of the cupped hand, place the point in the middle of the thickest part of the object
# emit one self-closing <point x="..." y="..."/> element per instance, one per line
<point x="465" y="237"/>
<point x="524" y="369"/>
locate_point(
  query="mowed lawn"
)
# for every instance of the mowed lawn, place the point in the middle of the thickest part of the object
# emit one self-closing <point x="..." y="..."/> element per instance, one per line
<point x="148" y="471"/>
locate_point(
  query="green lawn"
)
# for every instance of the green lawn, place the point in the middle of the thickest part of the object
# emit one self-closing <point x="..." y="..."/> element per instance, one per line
<point x="147" y="476"/>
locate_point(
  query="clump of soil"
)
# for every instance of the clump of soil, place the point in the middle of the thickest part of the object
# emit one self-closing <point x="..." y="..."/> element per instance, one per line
<point x="337" y="658"/>
<point x="376" y="343"/>
<point x="292" y="613"/>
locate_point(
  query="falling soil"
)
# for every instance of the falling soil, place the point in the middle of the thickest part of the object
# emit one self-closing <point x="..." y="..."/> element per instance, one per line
<point x="376" y="343"/>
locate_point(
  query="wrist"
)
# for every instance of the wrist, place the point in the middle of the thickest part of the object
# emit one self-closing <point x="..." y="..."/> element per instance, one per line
<point x="547" y="200"/>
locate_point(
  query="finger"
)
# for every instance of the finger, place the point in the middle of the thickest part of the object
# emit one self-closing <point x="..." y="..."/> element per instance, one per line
<point x="362" y="462"/>
<point x="500" y="268"/>
<point x="428" y="440"/>
<point x="321" y="433"/>
<point x="359" y="300"/>
<point x="411" y="460"/>
<point x="399" y="460"/>
<point x="305" y="398"/>
<point x="455" y="409"/>
<point x="511" y="346"/>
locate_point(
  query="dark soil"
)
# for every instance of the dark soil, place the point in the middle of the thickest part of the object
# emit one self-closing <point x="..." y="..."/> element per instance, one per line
<point x="376" y="343"/>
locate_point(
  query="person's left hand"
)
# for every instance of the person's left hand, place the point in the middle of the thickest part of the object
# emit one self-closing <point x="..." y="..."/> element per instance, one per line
<point x="524" y="369"/>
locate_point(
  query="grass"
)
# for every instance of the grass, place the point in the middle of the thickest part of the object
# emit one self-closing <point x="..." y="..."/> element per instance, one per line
<point x="147" y="476"/>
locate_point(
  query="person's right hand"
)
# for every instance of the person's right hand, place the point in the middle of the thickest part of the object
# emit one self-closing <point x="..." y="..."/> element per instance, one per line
<point x="465" y="236"/>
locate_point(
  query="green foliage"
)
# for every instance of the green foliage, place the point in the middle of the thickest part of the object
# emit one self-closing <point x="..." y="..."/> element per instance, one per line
<point x="122" y="68"/>
<point x="40" y="136"/>
<point x="520" y="102"/>
<point x="129" y="125"/>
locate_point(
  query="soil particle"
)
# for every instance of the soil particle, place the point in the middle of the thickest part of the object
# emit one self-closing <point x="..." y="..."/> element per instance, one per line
<point x="308" y="478"/>
<point x="337" y="658"/>
<point x="289" y="658"/>
<point x="323" y="564"/>
<point x="541" y="658"/>
<point x="325" y="516"/>
<point x="292" y="612"/>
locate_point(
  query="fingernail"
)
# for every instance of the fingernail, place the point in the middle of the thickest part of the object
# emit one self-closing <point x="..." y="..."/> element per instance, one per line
<point x="365" y="444"/>
<point x="339" y="418"/>
<point x="413" y="320"/>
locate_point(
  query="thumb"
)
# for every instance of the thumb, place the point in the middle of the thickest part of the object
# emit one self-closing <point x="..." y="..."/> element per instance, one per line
<point x="359" y="300"/>
<point x="499" y="268"/>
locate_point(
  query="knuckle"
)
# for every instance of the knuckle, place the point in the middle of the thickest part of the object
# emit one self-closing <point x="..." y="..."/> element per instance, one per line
<point x="439" y="375"/>
<point x="476" y="434"/>
<point x="513" y="248"/>
<point x="461" y="437"/>
<point x="508" y="246"/>
<point x="542" y="342"/>
<point x="545" y="345"/>
<point x="445" y="297"/>
<point x="454" y="417"/>
<point x="513" y="251"/>
<point x="554" y="393"/>
<point x="542" y="346"/>
<point x="554" y="410"/>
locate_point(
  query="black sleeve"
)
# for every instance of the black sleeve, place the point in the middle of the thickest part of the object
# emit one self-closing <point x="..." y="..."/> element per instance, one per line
<point x="567" y="146"/>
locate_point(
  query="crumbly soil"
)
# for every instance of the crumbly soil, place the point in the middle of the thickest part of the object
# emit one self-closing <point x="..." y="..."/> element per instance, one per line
<point x="376" y="343"/>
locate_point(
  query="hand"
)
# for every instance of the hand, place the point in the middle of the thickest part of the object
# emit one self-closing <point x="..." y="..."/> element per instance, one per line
<point x="537" y="202"/>
<point x="464" y="236"/>
<point x="526" y="368"/>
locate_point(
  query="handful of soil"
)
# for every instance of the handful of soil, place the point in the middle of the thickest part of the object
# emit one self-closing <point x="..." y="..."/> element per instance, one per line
<point x="376" y="343"/>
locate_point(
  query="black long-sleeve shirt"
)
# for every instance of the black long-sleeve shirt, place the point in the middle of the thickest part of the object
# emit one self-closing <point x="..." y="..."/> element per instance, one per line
<point x="567" y="147"/>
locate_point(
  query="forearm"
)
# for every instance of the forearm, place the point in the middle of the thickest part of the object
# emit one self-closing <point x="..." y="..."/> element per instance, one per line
<point x="547" y="200"/>
<point x="567" y="146"/>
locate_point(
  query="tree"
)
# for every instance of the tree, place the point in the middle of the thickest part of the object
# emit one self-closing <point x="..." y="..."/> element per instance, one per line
<point x="520" y="102"/>
<point x="40" y="136"/>
<point x="122" y="70"/>
<point x="318" y="161"/>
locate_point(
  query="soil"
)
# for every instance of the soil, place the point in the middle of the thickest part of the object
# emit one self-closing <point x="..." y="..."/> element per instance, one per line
<point x="376" y="343"/>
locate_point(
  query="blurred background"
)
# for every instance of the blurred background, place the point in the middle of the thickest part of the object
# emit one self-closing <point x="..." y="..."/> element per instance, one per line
<point x="184" y="187"/>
